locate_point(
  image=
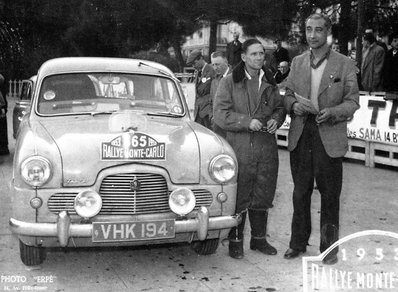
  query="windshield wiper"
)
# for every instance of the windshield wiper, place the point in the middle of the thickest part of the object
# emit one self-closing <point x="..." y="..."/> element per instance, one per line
<point x="165" y="114"/>
<point x="103" y="113"/>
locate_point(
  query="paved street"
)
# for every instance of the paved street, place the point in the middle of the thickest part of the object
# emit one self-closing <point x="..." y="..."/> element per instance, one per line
<point x="369" y="201"/>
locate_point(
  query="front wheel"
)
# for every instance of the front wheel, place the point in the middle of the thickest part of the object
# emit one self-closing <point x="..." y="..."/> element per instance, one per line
<point x="205" y="247"/>
<point x="31" y="255"/>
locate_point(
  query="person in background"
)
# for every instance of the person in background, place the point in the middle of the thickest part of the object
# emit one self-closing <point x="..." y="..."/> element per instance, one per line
<point x="3" y="117"/>
<point x="372" y="64"/>
<point x="318" y="138"/>
<point x="222" y="69"/>
<point x="281" y="54"/>
<point x="336" y="47"/>
<point x="282" y="73"/>
<point x="249" y="108"/>
<point x="234" y="50"/>
<point x="391" y="66"/>
<point x="204" y="74"/>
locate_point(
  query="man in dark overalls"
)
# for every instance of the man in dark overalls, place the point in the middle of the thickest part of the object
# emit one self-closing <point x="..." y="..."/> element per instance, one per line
<point x="248" y="106"/>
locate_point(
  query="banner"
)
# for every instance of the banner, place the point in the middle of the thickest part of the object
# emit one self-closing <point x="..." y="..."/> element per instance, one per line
<point x="376" y="120"/>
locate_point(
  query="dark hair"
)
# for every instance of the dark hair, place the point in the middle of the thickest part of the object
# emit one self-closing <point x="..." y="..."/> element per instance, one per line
<point x="218" y="54"/>
<point x="248" y="43"/>
<point x="393" y="36"/>
<point x="328" y="22"/>
<point x="369" y="37"/>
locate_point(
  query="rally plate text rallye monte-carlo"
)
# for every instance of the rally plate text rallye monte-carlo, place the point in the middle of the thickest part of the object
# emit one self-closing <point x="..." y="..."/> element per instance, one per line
<point x="108" y="155"/>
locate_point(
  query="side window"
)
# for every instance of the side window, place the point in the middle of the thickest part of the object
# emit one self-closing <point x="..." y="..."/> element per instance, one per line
<point x="26" y="90"/>
<point x="158" y="91"/>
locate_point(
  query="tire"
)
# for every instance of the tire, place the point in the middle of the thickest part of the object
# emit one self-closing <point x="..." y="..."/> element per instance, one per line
<point x="31" y="255"/>
<point x="205" y="247"/>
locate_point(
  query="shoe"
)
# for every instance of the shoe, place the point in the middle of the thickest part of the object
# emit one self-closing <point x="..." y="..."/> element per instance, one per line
<point x="236" y="248"/>
<point x="330" y="259"/>
<point x="235" y="237"/>
<point x="263" y="246"/>
<point x="292" y="253"/>
<point x="258" y="223"/>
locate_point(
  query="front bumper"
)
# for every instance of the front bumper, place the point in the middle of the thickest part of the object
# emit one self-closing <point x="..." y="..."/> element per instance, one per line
<point x="63" y="229"/>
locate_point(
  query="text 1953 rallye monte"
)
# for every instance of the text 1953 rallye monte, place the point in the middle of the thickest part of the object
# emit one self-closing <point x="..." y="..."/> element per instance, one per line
<point x="108" y="155"/>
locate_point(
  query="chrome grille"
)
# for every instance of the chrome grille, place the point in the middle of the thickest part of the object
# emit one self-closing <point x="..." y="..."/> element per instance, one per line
<point x="119" y="199"/>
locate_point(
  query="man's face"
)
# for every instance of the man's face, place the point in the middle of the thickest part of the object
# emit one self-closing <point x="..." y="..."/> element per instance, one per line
<point x="365" y="43"/>
<point x="283" y="67"/>
<point x="235" y="35"/>
<point x="219" y="64"/>
<point x="254" y="57"/>
<point x="198" y="64"/>
<point x="316" y="33"/>
<point x="394" y="43"/>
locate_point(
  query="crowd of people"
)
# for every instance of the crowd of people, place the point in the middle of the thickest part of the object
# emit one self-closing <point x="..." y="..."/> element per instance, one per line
<point x="241" y="102"/>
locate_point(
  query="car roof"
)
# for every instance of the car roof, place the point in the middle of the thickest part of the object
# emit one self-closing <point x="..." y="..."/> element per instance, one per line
<point x="101" y="64"/>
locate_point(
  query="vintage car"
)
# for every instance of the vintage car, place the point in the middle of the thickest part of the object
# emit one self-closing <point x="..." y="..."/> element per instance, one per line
<point x="108" y="155"/>
<point x="22" y="105"/>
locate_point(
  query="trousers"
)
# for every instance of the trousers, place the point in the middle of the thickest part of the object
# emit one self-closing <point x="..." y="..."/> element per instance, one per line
<point x="309" y="161"/>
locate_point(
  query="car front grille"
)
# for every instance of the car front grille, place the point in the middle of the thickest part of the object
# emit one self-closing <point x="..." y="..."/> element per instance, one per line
<point x="129" y="194"/>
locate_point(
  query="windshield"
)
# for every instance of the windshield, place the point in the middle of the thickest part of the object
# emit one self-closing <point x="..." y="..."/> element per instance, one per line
<point x="107" y="93"/>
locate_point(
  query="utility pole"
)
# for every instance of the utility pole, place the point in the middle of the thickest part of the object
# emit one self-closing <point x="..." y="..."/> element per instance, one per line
<point x="360" y="30"/>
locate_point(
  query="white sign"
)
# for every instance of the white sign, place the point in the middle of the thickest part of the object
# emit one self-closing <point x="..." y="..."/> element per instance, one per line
<point x="376" y="120"/>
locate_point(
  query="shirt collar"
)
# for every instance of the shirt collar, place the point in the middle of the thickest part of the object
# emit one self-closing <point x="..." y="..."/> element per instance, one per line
<point x="324" y="57"/>
<point x="260" y="77"/>
<point x="226" y="72"/>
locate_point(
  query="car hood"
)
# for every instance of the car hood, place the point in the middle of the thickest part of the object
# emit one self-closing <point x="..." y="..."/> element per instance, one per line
<point x="89" y="144"/>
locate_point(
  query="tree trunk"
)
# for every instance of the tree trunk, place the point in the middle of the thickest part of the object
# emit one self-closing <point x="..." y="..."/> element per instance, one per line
<point x="213" y="37"/>
<point x="177" y="51"/>
<point x="345" y="28"/>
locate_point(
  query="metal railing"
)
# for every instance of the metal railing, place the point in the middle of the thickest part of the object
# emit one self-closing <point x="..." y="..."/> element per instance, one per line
<point x="14" y="88"/>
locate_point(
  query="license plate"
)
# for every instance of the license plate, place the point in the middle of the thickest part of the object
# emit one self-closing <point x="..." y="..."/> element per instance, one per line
<point x="132" y="231"/>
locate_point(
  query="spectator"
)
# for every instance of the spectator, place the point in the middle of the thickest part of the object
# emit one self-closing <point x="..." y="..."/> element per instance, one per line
<point x="318" y="136"/>
<point x="222" y="69"/>
<point x="249" y="108"/>
<point x="234" y="50"/>
<point x="391" y="66"/>
<point x="280" y="53"/>
<point x="336" y="47"/>
<point x="282" y="73"/>
<point x="3" y="117"/>
<point x="372" y="64"/>
<point x="204" y="73"/>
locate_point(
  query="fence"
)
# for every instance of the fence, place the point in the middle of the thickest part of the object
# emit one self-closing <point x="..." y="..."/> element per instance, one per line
<point x="14" y="88"/>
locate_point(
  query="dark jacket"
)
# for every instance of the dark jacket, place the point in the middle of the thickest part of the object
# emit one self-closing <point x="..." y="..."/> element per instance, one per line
<point x="232" y="113"/>
<point x="203" y="99"/>
<point x="234" y="53"/>
<point x="391" y="71"/>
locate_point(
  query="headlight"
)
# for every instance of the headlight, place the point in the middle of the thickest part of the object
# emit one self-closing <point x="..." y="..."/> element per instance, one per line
<point x="222" y="168"/>
<point x="36" y="171"/>
<point x="88" y="204"/>
<point x="182" y="201"/>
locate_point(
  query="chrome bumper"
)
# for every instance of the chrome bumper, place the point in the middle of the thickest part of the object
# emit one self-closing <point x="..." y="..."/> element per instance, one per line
<point x="63" y="229"/>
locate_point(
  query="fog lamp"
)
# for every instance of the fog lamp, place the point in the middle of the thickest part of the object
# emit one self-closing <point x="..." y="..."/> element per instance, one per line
<point x="88" y="204"/>
<point x="182" y="201"/>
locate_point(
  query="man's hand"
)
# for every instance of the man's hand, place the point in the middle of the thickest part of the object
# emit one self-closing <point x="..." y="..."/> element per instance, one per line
<point x="299" y="109"/>
<point x="255" y="125"/>
<point x="323" y="116"/>
<point x="272" y="126"/>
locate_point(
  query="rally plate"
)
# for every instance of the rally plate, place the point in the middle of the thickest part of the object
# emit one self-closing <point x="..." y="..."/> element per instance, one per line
<point x="133" y="231"/>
